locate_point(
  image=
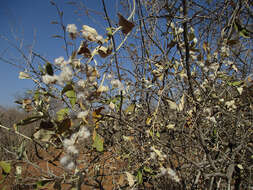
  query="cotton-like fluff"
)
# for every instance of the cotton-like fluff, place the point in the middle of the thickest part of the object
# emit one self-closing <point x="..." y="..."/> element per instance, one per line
<point x="89" y="33"/>
<point x="59" y="61"/>
<point x="71" y="28"/>
<point x="68" y="142"/>
<point x="180" y="30"/>
<point x="102" y="88"/>
<point x="168" y="171"/>
<point x="100" y="39"/>
<point x="83" y="133"/>
<point x="117" y="84"/>
<point x="70" y="165"/>
<point x="80" y="95"/>
<point x="48" y="79"/>
<point x="81" y="83"/>
<point x="65" y="160"/>
<point x="72" y="150"/>
<point x="173" y="175"/>
<point x="82" y="114"/>
<point x="66" y="75"/>
<point x="163" y="171"/>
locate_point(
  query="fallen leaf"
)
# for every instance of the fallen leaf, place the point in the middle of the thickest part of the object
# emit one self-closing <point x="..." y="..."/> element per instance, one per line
<point x="130" y="179"/>
<point x="98" y="142"/>
<point x="121" y="180"/>
<point x="6" y="166"/>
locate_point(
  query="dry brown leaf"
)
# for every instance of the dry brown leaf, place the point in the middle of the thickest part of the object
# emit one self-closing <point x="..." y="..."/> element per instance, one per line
<point x="27" y="105"/>
<point x="64" y="126"/>
<point x="121" y="180"/>
<point x="206" y="47"/>
<point x="44" y="135"/>
<point x="84" y="50"/>
<point x="104" y="51"/>
<point x="96" y="114"/>
<point x="126" y="25"/>
<point x="172" y="105"/>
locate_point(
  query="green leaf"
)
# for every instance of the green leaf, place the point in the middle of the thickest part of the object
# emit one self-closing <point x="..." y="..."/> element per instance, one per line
<point x="109" y="31"/>
<point x="6" y="166"/>
<point x="62" y="113"/>
<point x="42" y="184"/>
<point x="158" y="134"/>
<point x="235" y="83"/>
<point x="71" y="94"/>
<point x="49" y="69"/>
<point x="147" y="169"/>
<point x="244" y="33"/>
<point x="29" y="120"/>
<point x="36" y="95"/>
<point x="215" y="132"/>
<point x="41" y="70"/>
<point x="130" y="109"/>
<point x="139" y="177"/>
<point x="68" y="90"/>
<point x="98" y="142"/>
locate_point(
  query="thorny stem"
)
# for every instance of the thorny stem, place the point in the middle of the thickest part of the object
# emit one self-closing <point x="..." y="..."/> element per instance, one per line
<point x="187" y="50"/>
<point x="115" y="50"/>
<point x="115" y="57"/>
<point x="113" y="41"/>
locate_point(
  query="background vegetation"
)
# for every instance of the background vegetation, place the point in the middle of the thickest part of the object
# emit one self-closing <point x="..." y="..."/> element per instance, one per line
<point x="161" y="100"/>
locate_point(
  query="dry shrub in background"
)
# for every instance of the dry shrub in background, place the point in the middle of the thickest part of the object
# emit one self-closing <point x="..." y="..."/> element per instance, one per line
<point x="160" y="99"/>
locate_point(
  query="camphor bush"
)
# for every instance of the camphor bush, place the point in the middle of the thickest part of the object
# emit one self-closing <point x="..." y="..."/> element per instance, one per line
<point x="166" y="90"/>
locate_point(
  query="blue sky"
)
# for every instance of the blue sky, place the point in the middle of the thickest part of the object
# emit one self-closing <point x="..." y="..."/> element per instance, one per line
<point x="31" y="20"/>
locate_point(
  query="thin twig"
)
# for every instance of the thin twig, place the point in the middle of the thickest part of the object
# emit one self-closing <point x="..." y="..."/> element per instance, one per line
<point x="187" y="50"/>
<point x="14" y="131"/>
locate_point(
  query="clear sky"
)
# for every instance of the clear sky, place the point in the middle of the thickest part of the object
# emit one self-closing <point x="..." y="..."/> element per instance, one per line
<point x="31" y="20"/>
